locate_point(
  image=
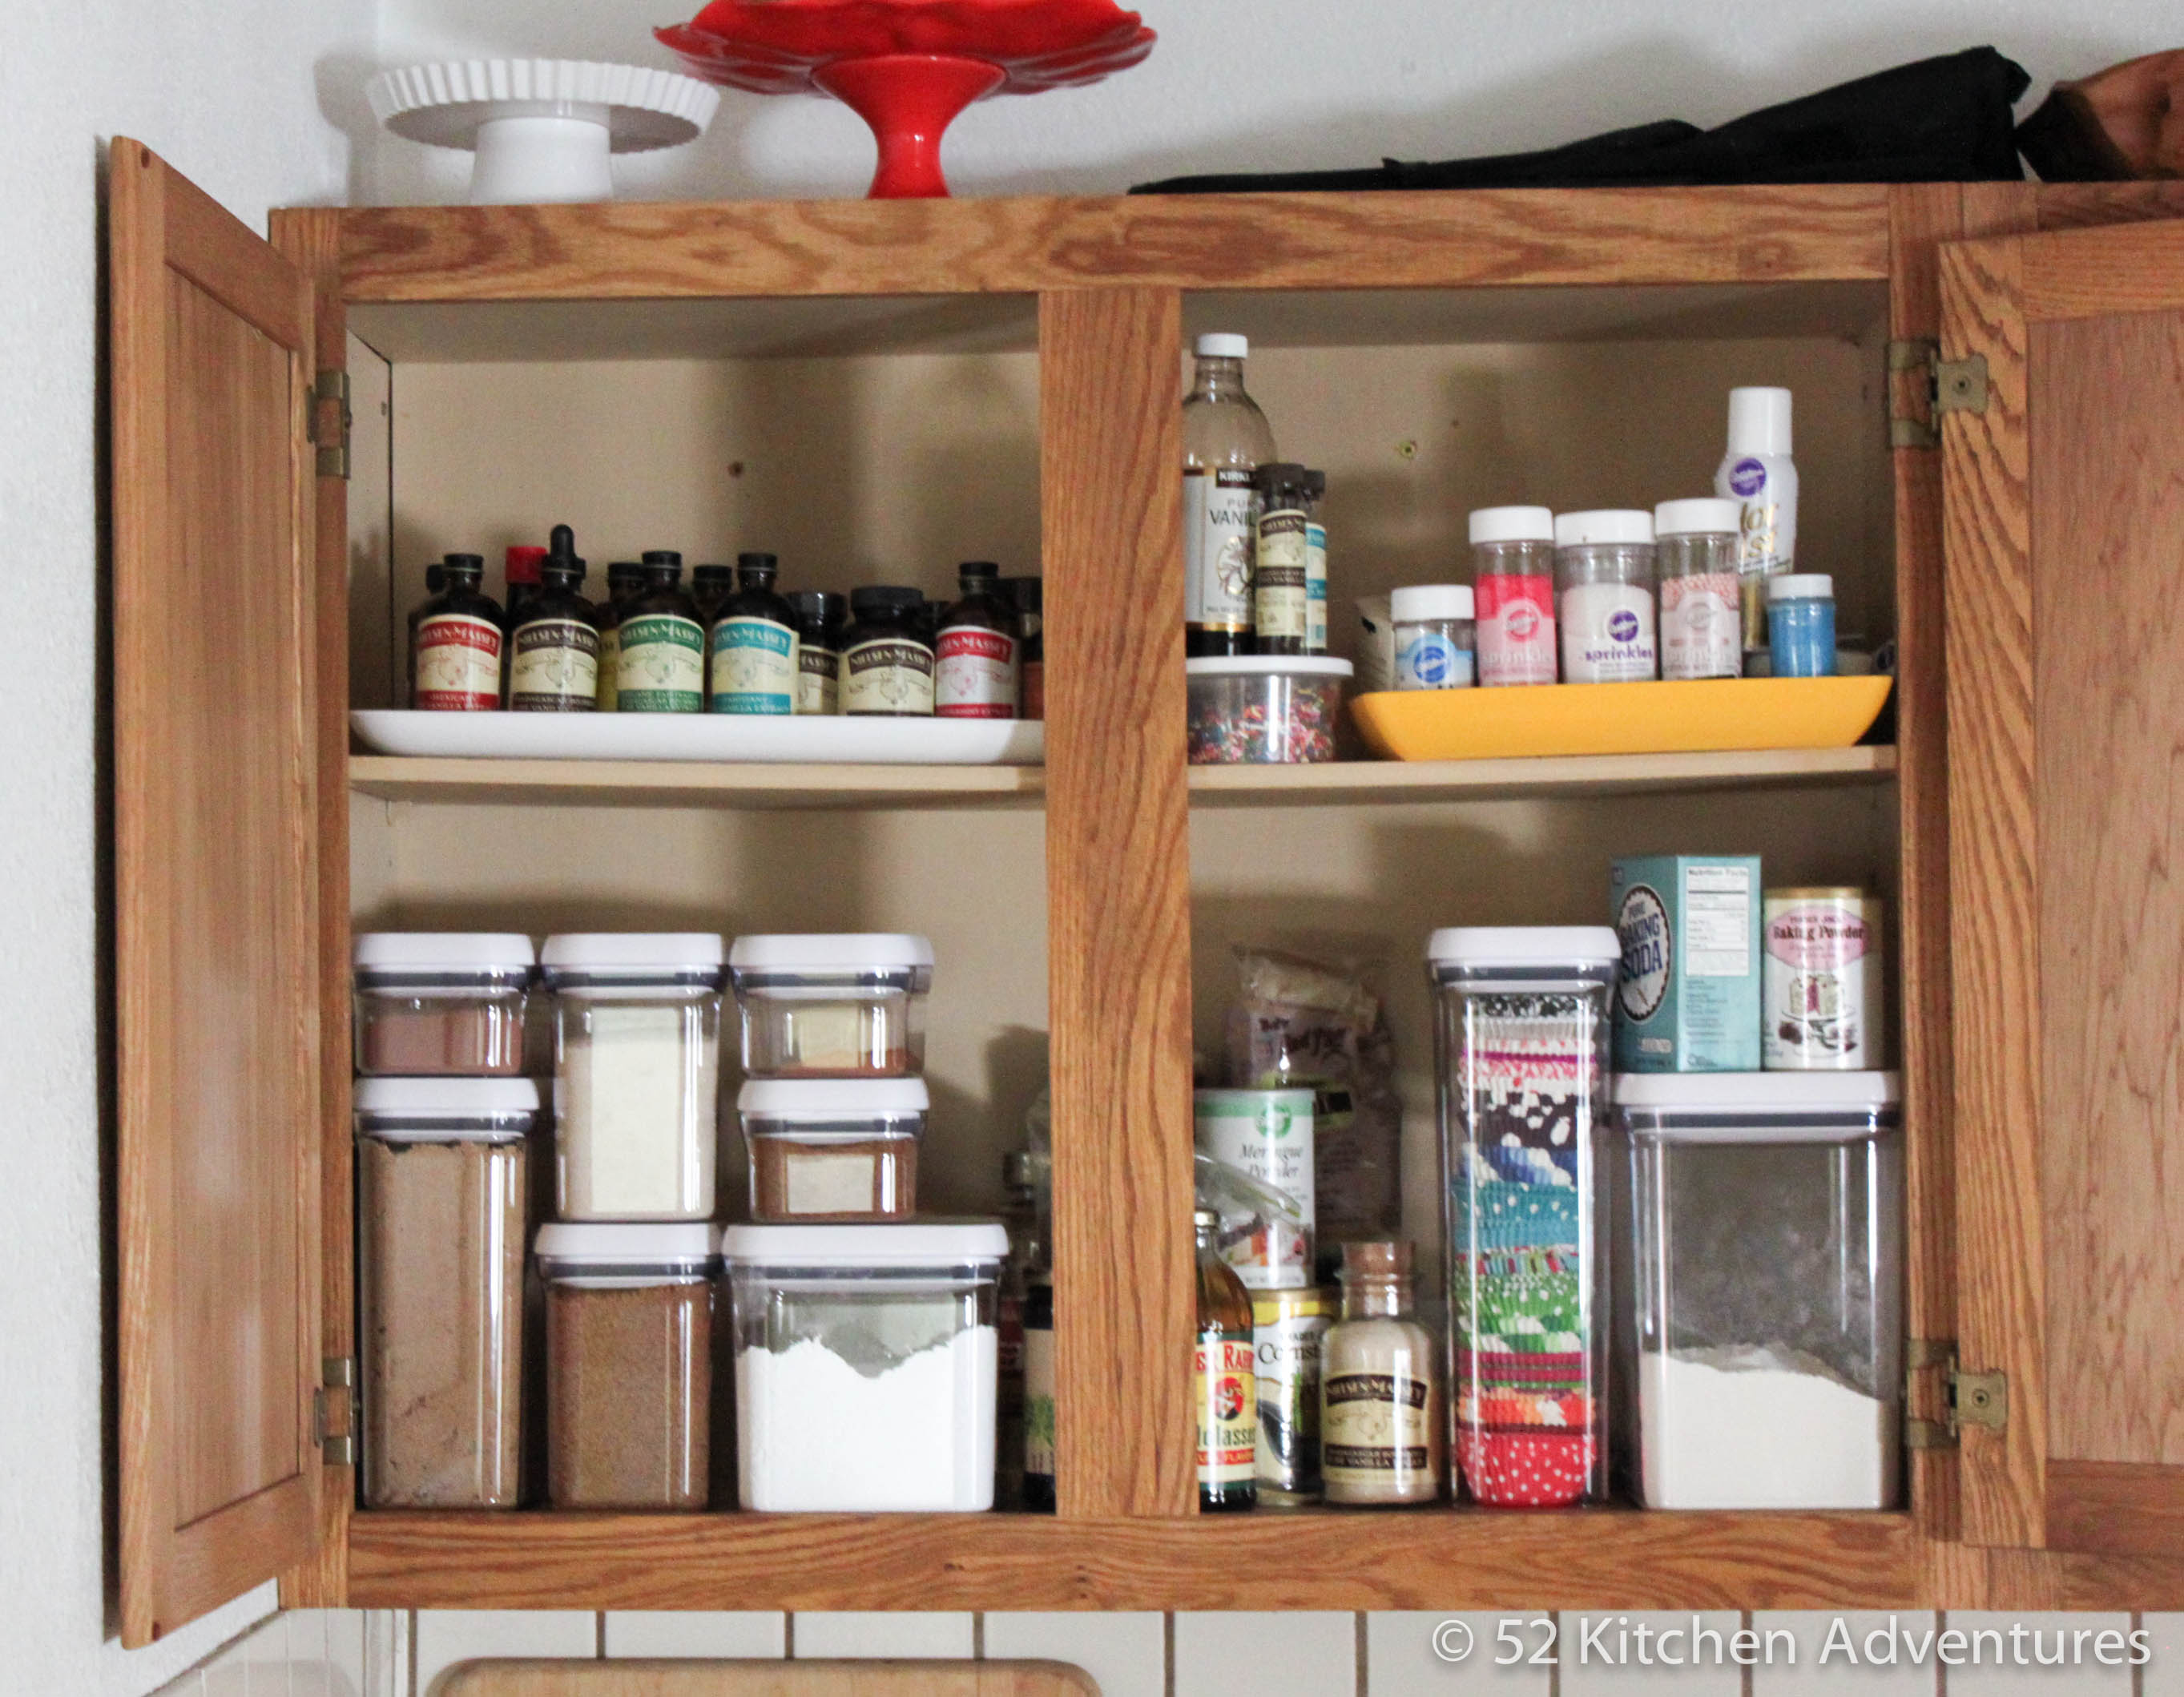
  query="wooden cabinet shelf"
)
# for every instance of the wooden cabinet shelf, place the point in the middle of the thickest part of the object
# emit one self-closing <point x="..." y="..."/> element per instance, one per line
<point x="670" y="784"/>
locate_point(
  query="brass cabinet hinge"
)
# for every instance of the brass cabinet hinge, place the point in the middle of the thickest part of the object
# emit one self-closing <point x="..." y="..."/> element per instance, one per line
<point x="1980" y="1399"/>
<point x="1917" y="371"/>
<point x="336" y="1373"/>
<point x="329" y="390"/>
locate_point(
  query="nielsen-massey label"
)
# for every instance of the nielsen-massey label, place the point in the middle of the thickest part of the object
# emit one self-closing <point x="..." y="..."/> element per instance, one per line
<point x="818" y="679"/>
<point x="888" y="674"/>
<point x="1218" y="547"/>
<point x="555" y="668"/>
<point x="1228" y="1410"/>
<point x="458" y="664"/>
<point x="1315" y="588"/>
<point x="662" y="665"/>
<point x="754" y="667"/>
<point x="1280" y="603"/>
<point x="1375" y="1429"/>
<point x="974" y="674"/>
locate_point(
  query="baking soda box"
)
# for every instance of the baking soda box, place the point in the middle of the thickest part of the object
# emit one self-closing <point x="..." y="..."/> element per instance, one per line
<point x="1687" y="998"/>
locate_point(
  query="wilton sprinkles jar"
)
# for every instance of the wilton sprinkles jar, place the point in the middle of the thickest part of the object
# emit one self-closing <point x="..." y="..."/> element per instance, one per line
<point x="1264" y="709"/>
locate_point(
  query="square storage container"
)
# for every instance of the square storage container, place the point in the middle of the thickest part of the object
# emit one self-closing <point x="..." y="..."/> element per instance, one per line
<point x="629" y="1363"/>
<point x="1765" y="1337"/>
<point x="1264" y="710"/>
<point x="833" y="1149"/>
<point x="440" y="1004"/>
<point x="1521" y="1037"/>
<point x="636" y="1073"/>
<point x="832" y="1005"/>
<point x="866" y="1364"/>
<point x="440" y="1179"/>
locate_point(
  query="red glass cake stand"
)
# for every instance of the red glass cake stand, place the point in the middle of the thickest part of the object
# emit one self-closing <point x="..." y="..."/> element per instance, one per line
<point x="907" y="67"/>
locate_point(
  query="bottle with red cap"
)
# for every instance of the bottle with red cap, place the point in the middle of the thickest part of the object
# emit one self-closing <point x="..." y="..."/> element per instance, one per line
<point x="524" y="561"/>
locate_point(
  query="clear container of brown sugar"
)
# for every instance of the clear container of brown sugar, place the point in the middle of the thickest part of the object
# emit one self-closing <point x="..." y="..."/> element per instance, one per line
<point x="629" y="1363"/>
<point x="440" y="1004"/>
<point x="440" y="1219"/>
<point x="832" y="1005"/>
<point x="833" y="1149"/>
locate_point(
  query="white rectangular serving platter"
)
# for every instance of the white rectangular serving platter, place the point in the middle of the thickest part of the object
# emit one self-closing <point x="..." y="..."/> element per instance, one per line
<point x="729" y="737"/>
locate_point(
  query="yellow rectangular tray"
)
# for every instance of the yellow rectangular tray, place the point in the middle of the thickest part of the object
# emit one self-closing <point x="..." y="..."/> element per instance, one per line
<point x="1698" y="717"/>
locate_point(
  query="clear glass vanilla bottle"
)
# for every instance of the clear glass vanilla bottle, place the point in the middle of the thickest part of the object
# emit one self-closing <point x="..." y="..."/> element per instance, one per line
<point x="1226" y="438"/>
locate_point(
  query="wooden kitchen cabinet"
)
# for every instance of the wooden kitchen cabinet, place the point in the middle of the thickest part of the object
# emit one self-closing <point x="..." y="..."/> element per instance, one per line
<point x="638" y="354"/>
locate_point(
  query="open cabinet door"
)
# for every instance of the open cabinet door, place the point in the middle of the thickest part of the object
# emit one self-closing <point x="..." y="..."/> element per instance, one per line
<point x="216" y="964"/>
<point x="2064" y="481"/>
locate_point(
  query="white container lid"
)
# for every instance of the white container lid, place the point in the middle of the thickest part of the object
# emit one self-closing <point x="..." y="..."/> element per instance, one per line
<point x="450" y="952"/>
<point x="634" y="955"/>
<point x="1523" y="945"/>
<point x="1759" y="421"/>
<point x="1779" y="1092"/>
<point x="829" y="952"/>
<point x="1613" y="526"/>
<point x="916" y="1244"/>
<point x="1704" y="516"/>
<point x="1513" y="524"/>
<point x="444" y="1098"/>
<point x="630" y="1243"/>
<point x="1267" y="665"/>
<point x="832" y="1099"/>
<point x="1221" y="345"/>
<point x="1431" y="601"/>
<point x="1800" y="586"/>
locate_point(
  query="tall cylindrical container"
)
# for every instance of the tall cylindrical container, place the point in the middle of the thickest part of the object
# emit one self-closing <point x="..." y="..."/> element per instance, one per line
<point x="1604" y="596"/>
<point x="1759" y="474"/>
<point x="1521" y="1041"/>
<point x="1512" y="573"/>
<point x="1702" y="623"/>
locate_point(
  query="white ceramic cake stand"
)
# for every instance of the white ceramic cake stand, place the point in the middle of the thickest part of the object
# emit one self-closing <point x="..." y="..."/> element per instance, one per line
<point x="542" y="128"/>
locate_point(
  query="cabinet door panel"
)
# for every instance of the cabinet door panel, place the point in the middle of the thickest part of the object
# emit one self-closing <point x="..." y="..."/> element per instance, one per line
<point x="218" y="999"/>
<point x="2066" y="582"/>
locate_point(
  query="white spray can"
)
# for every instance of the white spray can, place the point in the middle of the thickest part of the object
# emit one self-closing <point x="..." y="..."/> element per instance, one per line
<point x="1759" y="473"/>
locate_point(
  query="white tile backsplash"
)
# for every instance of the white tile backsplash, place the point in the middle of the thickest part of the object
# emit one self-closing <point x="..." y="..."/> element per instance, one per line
<point x="1293" y="1654"/>
<point x="1628" y="1649"/>
<point x="922" y="1637"/>
<point x="445" y="1637"/>
<point x="1868" y="1655"/>
<point x="743" y="1634"/>
<point x="2010" y="1665"/>
<point x="228" y="1673"/>
<point x="1458" y="1653"/>
<point x="2163" y="1676"/>
<point x="1125" y="1653"/>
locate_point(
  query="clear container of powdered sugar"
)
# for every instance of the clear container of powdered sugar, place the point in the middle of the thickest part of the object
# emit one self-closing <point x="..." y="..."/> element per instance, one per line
<point x="866" y="1363"/>
<point x="1763" y="1341"/>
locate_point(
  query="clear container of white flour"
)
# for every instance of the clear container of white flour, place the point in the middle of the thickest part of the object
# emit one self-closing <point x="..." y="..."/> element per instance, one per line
<point x="1761" y="1353"/>
<point x="866" y="1364"/>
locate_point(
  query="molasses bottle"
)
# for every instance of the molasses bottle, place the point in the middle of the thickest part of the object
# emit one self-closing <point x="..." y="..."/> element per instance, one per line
<point x="553" y="648"/>
<point x="456" y="641"/>
<point x="975" y="662"/>
<point x="661" y="666"/>
<point x="755" y="644"/>
<point x="1224" y="1380"/>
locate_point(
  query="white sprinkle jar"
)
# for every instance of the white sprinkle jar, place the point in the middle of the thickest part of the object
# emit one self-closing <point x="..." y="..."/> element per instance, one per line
<point x="1604" y="590"/>
<point x="636" y="1073"/>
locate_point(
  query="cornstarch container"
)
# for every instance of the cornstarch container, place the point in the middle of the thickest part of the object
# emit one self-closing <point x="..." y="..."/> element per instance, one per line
<point x="1287" y="1330"/>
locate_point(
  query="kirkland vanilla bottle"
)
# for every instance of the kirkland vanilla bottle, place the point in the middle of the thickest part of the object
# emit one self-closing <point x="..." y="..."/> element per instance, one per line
<point x="1226" y="438"/>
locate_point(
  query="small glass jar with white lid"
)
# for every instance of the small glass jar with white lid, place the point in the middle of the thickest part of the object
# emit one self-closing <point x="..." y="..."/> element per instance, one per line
<point x="1513" y="579"/>
<point x="1604" y="569"/>
<point x="847" y="1332"/>
<point x="1434" y="636"/>
<point x="1695" y="546"/>
<point x="833" y="1148"/>
<point x="440" y="1004"/>
<point x="636" y="1073"/>
<point x="832" y="1004"/>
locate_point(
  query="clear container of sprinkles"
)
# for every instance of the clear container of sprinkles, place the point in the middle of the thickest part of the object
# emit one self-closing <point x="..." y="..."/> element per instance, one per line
<point x="1264" y="709"/>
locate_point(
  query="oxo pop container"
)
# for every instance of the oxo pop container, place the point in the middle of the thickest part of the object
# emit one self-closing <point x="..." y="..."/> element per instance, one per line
<point x="440" y="1004"/>
<point x="1521" y="1037"/>
<point x="832" y="1005"/>
<point x="1764" y="1298"/>
<point x="867" y="1363"/>
<point x="636" y="1073"/>
<point x="1263" y="710"/>
<point x="833" y="1148"/>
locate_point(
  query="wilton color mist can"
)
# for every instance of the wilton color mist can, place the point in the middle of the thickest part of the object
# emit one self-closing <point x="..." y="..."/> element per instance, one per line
<point x="1822" y="1006"/>
<point x="1288" y="1329"/>
<point x="1268" y="1135"/>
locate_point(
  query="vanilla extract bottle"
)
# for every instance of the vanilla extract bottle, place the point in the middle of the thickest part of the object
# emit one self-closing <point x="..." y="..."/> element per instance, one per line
<point x="1226" y="438"/>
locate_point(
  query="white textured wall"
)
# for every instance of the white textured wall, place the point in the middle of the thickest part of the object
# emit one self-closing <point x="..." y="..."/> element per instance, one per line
<point x="1291" y="84"/>
<point x="226" y="89"/>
